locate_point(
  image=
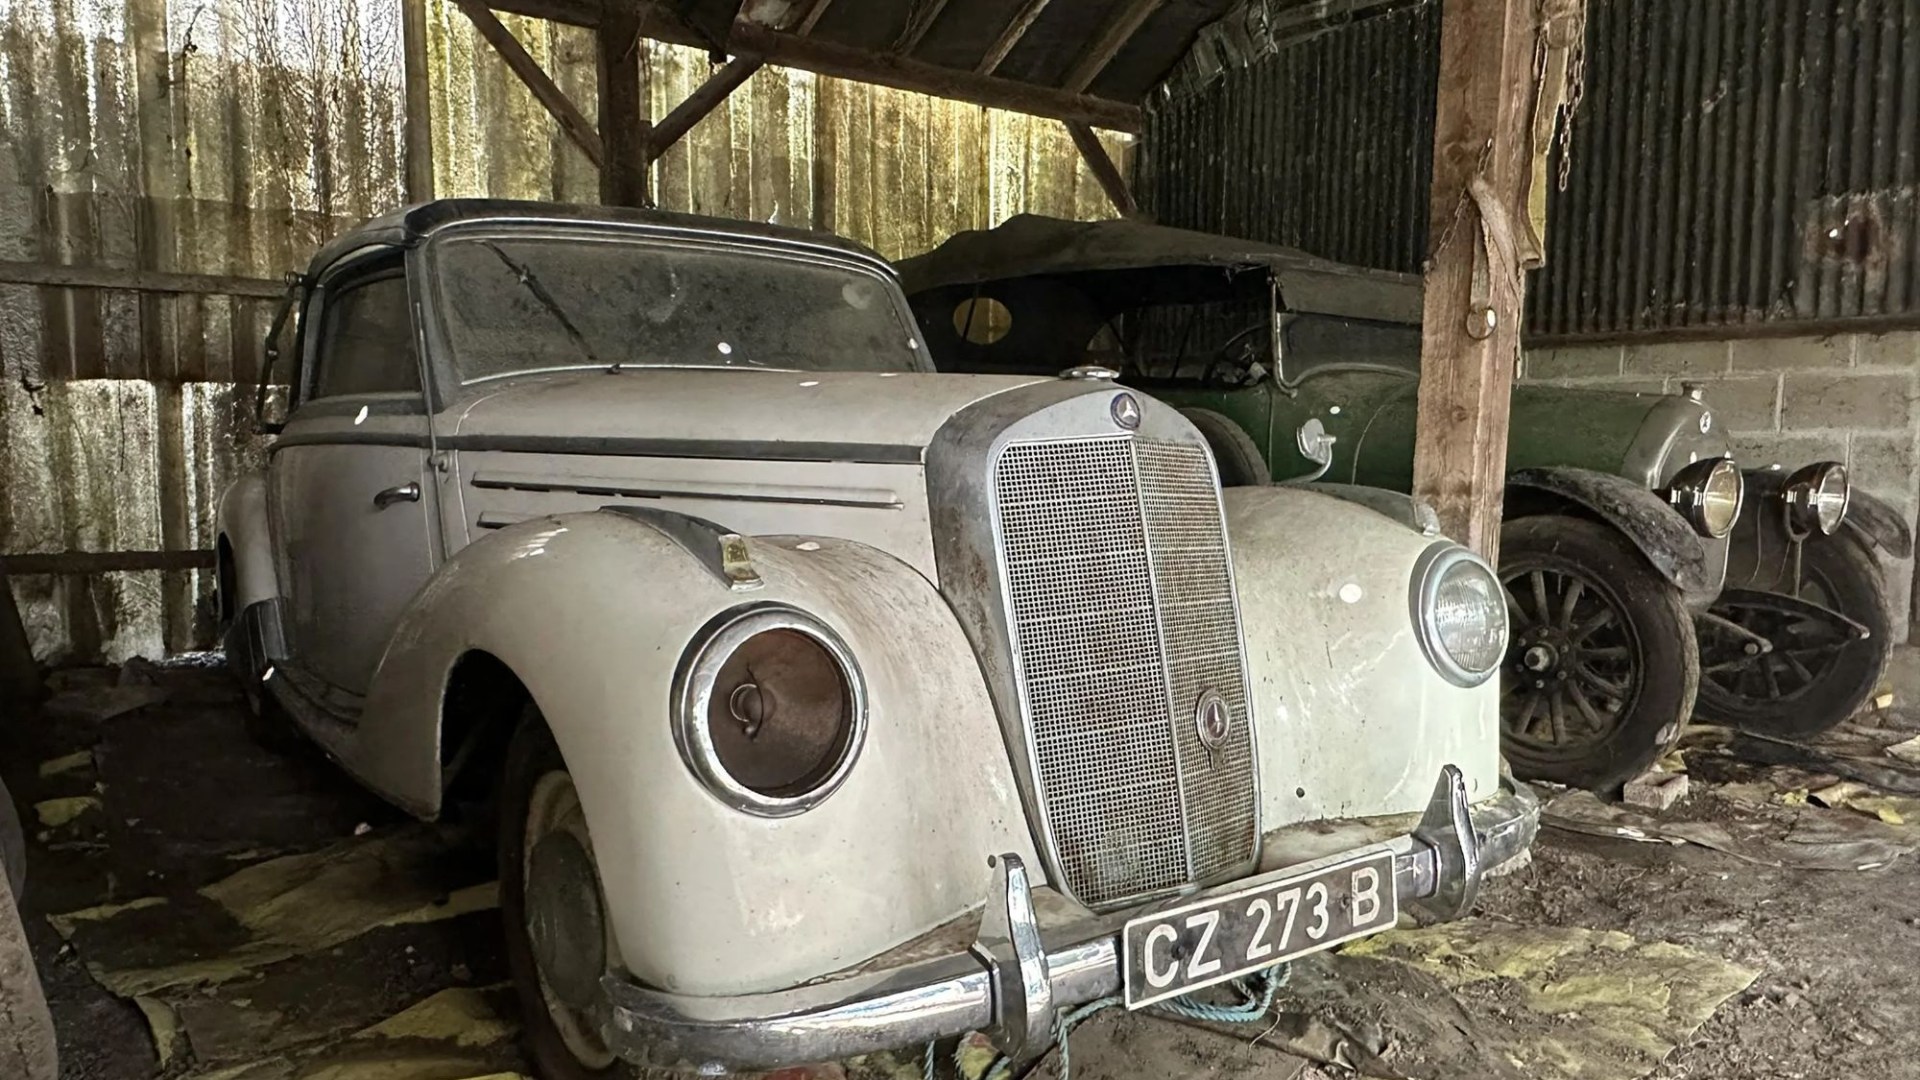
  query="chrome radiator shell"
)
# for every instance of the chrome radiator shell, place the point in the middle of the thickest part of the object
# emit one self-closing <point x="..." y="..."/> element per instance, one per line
<point x="1090" y="568"/>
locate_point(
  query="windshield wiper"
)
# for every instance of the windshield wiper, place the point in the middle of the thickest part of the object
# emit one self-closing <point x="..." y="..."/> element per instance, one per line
<point x="539" y="292"/>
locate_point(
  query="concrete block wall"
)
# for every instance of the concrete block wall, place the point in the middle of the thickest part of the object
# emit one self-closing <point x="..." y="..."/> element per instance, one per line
<point x="1848" y="398"/>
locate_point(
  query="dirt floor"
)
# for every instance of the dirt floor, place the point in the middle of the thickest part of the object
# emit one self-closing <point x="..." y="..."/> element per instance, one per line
<point x="202" y="907"/>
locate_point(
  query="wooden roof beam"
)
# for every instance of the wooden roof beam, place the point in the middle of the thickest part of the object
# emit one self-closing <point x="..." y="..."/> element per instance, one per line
<point x="906" y="73"/>
<point x="701" y="102"/>
<point x="919" y="21"/>
<point x="897" y="70"/>
<point x="1017" y="29"/>
<point x="1112" y="38"/>
<point x="1100" y="163"/>
<point x="544" y="90"/>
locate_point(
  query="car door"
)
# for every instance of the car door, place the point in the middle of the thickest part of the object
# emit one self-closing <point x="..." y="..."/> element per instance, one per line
<point x="351" y="493"/>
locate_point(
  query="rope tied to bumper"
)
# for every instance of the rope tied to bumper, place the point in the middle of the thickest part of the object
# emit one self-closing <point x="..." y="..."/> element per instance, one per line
<point x="1255" y="993"/>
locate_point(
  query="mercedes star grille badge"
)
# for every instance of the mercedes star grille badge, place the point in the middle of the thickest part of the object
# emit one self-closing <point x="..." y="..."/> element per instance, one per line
<point x="1126" y="411"/>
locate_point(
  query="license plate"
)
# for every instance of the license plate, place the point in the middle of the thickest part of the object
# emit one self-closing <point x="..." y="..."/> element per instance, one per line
<point x="1288" y="914"/>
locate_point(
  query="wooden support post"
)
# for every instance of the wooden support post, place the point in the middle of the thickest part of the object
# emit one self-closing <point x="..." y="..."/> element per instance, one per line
<point x="701" y="102"/>
<point x="624" y="128"/>
<point x="1470" y="339"/>
<point x="550" y="96"/>
<point x="419" y="87"/>
<point x="1104" y="170"/>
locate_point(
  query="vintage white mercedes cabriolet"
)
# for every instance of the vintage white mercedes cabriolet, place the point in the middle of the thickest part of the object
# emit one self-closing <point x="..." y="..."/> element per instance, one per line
<point x="779" y="654"/>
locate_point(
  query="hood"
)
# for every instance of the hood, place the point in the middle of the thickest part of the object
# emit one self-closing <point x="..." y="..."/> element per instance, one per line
<point x="726" y="412"/>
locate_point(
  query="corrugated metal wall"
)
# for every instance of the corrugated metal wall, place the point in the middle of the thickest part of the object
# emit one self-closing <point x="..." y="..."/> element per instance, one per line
<point x="1321" y="142"/>
<point x="231" y="136"/>
<point x="1739" y="166"/>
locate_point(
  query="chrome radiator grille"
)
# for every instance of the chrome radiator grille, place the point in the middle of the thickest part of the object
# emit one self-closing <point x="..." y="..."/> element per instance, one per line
<point x="1122" y="614"/>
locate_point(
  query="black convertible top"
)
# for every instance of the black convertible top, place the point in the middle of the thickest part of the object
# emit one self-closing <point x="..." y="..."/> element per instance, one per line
<point x="408" y="225"/>
<point x="1029" y="245"/>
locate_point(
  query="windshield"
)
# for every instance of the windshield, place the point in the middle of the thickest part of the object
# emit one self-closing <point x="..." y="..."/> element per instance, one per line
<point x="1317" y="342"/>
<point x="516" y="304"/>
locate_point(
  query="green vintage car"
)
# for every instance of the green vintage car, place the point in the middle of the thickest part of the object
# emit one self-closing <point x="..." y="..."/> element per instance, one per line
<point x="1648" y="576"/>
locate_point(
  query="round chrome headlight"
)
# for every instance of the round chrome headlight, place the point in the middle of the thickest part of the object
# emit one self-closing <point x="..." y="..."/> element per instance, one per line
<point x="1817" y="498"/>
<point x="1709" y="493"/>
<point x="770" y="710"/>
<point x="1461" y="613"/>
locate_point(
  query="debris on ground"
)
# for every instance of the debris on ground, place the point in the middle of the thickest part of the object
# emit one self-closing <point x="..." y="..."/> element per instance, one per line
<point x="276" y="910"/>
<point x="1564" y="1002"/>
<point x="99" y="703"/>
<point x="1656" y="789"/>
<point x="1803" y="838"/>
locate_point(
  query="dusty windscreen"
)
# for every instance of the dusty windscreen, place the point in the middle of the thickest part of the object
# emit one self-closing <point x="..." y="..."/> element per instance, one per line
<point x="521" y="304"/>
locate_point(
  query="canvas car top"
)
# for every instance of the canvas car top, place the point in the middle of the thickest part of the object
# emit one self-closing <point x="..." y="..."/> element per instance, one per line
<point x="1029" y="245"/>
<point x="412" y="223"/>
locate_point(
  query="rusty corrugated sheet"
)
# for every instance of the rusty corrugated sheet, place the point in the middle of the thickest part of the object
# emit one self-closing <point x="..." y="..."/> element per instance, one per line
<point x="232" y="136"/>
<point x="1739" y="166"/>
<point x="1319" y="140"/>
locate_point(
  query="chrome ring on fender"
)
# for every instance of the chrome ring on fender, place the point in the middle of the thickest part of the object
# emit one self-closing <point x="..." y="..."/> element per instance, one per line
<point x="769" y="671"/>
<point x="1460" y="613"/>
<point x="1817" y="497"/>
<point x="1709" y="493"/>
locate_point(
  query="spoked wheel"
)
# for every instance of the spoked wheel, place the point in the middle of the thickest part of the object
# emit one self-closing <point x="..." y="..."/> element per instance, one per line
<point x="558" y="938"/>
<point x="1602" y="669"/>
<point x="1817" y="673"/>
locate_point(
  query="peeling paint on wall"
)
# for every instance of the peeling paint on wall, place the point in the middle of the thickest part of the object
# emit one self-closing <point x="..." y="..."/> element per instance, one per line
<point x="233" y="136"/>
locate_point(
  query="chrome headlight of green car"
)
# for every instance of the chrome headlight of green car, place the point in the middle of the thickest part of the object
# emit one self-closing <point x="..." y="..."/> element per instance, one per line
<point x="1817" y="498"/>
<point x="1709" y="493"/>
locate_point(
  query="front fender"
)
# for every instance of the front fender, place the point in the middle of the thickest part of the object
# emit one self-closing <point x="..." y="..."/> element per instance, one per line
<point x="242" y="523"/>
<point x="593" y="612"/>
<point x="1353" y="721"/>
<point x="1661" y="534"/>
<point x="1876" y="521"/>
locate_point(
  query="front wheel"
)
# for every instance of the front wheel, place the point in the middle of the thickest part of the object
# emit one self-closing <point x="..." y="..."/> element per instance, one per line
<point x="1816" y="675"/>
<point x="558" y="938"/>
<point x="1601" y="674"/>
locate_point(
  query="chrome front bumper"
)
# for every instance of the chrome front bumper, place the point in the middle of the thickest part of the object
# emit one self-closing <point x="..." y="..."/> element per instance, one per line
<point x="1016" y="976"/>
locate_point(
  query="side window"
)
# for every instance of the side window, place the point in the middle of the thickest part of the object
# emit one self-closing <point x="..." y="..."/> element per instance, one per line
<point x="366" y="340"/>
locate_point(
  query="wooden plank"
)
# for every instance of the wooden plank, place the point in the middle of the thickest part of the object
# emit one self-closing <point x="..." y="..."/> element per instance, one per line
<point x="624" y="134"/>
<point x="100" y="562"/>
<point x="810" y="15"/>
<point x="106" y="277"/>
<point x="419" y="88"/>
<point x="572" y="12"/>
<point x="1016" y="29"/>
<point x="537" y="81"/>
<point x="1466" y="366"/>
<point x="924" y="15"/>
<point x="905" y="73"/>
<point x="702" y="101"/>
<point x="1107" y="45"/>
<point x="1102" y="166"/>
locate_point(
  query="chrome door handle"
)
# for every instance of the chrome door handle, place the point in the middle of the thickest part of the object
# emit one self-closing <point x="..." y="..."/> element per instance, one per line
<point x="403" y="493"/>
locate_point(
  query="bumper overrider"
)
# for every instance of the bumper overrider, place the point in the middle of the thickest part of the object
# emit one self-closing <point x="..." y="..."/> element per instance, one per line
<point x="1016" y="976"/>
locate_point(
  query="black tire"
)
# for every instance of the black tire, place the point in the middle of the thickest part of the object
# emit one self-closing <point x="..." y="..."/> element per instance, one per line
<point x="1235" y="454"/>
<point x="1601" y="683"/>
<point x="13" y="844"/>
<point x="531" y="756"/>
<point x="27" y="1048"/>
<point x="267" y="722"/>
<point x="1807" y="688"/>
